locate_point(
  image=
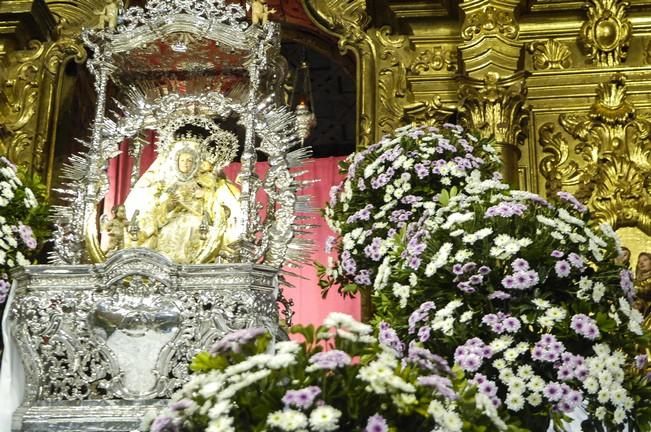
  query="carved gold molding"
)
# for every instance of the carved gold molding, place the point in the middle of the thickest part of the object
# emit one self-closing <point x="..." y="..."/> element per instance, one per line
<point x="385" y="62"/>
<point x="433" y="59"/>
<point x="550" y="54"/>
<point x="428" y="111"/>
<point x="613" y="174"/>
<point x="490" y="33"/>
<point x="607" y="32"/>
<point x="496" y="19"/>
<point x="72" y="15"/>
<point x="30" y="90"/>
<point x="33" y="55"/>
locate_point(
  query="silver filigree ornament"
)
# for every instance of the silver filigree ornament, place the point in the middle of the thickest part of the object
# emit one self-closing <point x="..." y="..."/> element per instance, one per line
<point x="78" y="324"/>
<point x="128" y="329"/>
<point x="271" y="241"/>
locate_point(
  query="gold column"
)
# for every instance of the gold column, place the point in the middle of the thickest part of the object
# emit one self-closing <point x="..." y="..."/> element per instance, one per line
<point x="492" y="93"/>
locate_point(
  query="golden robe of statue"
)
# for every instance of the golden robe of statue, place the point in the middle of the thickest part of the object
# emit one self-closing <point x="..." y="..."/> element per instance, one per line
<point x="183" y="209"/>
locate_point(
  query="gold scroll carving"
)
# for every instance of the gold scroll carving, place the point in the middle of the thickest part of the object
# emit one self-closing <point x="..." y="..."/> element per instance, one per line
<point x="614" y="143"/>
<point x="607" y="32"/>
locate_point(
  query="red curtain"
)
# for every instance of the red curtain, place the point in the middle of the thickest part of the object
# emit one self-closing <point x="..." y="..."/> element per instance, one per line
<point x="119" y="171"/>
<point x="309" y="307"/>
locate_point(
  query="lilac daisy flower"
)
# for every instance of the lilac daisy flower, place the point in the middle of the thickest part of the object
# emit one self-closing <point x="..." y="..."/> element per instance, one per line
<point x="442" y="385"/>
<point x="376" y="423"/>
<point x="499" y="295"/>
<point x="568" y="197"/>
<point x="553" y="392"/>
<point x="330" y="243"/>
<point x="562" y="268"/>
<point x="576" y="261"/>
<point x="302" y="398"/>
<point x="508" y="282"/>
<point x="484" y="270"/>
<point x="388" y="337"/>
<point x="330" y="359"/>
<point x="520" y="265"/>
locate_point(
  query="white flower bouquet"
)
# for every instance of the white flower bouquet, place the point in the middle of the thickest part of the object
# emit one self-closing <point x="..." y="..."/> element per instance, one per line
<point x="525" y="296"/>
<point x="389" y="185"/>
<point x="342" y="377"/>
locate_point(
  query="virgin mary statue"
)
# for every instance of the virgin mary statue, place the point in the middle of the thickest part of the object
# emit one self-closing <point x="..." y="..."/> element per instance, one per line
<point x="183" y="206"/>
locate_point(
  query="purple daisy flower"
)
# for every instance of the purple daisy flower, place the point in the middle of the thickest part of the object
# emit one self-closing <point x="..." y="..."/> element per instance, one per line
<point x="376" y="423"/>
<point x="562" y="268"/>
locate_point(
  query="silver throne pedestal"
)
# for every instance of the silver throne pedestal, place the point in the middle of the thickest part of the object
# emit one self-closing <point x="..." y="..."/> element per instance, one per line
<point x="102" y="344"/>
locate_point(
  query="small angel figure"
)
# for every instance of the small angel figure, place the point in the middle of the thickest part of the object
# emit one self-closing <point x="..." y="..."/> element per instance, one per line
<point x="115" y="229"/>
<point x="260" y="12"/>
<point x="108" y="17"/>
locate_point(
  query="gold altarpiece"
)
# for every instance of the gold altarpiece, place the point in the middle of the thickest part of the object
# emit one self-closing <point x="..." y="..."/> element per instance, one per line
<point x="564" y="86"/>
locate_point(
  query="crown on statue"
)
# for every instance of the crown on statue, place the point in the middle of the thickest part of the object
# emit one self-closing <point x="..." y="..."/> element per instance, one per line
<point x="213" y="143"/>
<point x="221" y="149"/>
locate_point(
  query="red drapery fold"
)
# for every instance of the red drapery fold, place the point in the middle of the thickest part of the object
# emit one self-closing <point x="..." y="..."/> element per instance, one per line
<point x="309" y="307"/>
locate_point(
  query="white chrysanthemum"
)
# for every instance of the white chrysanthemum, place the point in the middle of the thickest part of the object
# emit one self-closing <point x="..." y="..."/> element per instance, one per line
<point x="30" y="199"/>
<point x="540" y="303"/>
<point x="287" y="420"/>
<point x="485" y="405"/>
<point x="439" y="259"/>
<point x="514" y="401"/>
<point x="342" y="320"/>
<point x="383" y="274"/>
<point x="281" y="360"/>
<point x="220" y="408"/>
<point x="21" y="260"/>
<point x="289" y="347"/>
<point x="634" y="316"/>
<point x="221" y="424"/>
<point x="324" y="418"/>
<point x="402" y="293"/>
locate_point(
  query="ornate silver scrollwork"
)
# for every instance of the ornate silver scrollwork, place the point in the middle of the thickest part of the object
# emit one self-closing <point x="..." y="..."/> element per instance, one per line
<point x="109" y="339"/>
<point x="127" y="328"/>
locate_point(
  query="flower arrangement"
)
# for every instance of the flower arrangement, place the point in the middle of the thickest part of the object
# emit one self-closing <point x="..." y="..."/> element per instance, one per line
<point x="22" y="222"/>
<point x="389" y="185"/>
<point x="525" y="297"/>
<point x="341" y="377"/>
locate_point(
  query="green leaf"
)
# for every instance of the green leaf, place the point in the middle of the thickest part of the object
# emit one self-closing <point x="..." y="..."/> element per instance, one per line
<point x="306" y="331"/>
<point x="444" y="197"/>
<point x="204" y="362"/>
<point x="350" y="288"/>
<point x="262" y="343"/>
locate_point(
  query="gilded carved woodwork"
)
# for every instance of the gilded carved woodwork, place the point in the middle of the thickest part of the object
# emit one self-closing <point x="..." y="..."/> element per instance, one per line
<point x="393" y="54"/>
<point x="489" y="19"/>
<point x="429" y="111"/>
<point x="557" y="166"/>
<point x="613" y="142"/>
<point x="607" y="32"/>
<point x="497" y="108"/>
<point x="550" y="54"/>
<point x="72" y="15"/>
<point x="386" y="61"/>
<point x="490" y="38"/>
<point x="437" y="58"/>
<point x="29" y="88"/>
<point x="30" y="84"/>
